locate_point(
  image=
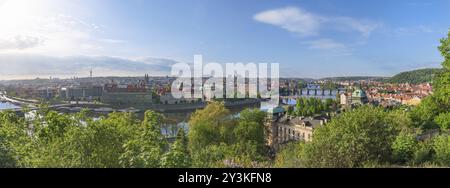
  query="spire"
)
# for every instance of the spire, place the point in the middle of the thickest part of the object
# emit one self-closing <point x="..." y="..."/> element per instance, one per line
<point x="147" y="79"/>
<point x="90" y="72"/>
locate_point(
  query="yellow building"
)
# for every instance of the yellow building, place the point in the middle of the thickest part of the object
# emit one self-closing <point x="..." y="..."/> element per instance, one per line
<point x="413" y="102"/>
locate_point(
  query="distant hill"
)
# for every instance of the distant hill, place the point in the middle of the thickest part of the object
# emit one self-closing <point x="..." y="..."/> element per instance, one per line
<point x="414" y="77"/>
<point x="354" y="78"/>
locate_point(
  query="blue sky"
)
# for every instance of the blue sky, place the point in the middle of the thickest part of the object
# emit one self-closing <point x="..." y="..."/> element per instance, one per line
<point x="308" y="38"/>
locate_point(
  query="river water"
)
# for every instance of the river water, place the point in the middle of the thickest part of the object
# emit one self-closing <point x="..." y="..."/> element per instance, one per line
<point x="7" y="106"/>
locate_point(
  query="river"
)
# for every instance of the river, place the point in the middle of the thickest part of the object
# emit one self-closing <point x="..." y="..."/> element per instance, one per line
<point x="7" y="106"/>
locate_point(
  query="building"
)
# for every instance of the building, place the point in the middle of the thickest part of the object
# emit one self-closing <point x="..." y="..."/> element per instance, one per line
<point x="167" y="98"/>
<point x="357" y="97"/>
<point x="284" y="128"/>
<point x="81" y="93"/>
<point x="127" y="98"/>
<point x="414" y="101"/>
<point x="344" y="99"/>
<point x="299" y="128"/>
<point x="127" y="94"/>
<point x="274" y="114"/>
<point x="46" y="93"/>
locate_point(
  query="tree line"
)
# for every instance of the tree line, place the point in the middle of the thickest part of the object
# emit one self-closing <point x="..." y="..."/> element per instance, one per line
<point x="311" y="106"/>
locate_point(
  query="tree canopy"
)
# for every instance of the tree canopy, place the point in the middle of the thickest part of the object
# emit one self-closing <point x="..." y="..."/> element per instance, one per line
<point x="217" y="139"/>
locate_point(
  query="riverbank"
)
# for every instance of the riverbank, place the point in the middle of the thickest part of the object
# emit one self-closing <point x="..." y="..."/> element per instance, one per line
<point x="192" y="107"/>
<point x="99" y="107"/>
<point x="17" y="101"/>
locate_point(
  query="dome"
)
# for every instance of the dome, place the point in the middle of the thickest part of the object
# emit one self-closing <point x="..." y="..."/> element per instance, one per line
<point x="359" y="93"/>
<point x="273" y="110"/>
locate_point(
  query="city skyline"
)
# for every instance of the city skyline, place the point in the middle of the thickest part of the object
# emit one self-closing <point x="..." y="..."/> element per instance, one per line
<point x="309" y="39"/>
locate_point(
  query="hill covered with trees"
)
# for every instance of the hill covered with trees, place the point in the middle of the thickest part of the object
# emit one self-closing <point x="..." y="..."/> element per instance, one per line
<point x="354" y="78"/>
<point x="415" y="76"/>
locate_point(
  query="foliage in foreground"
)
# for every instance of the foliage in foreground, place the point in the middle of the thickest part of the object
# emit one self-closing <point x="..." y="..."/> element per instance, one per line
<point x="121" y="140"/>
<point x="218" y="140"/>
<point x="63" y="140"/>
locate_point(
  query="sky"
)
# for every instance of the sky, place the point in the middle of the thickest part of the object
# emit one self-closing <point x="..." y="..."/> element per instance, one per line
<point x="308" y="38"/>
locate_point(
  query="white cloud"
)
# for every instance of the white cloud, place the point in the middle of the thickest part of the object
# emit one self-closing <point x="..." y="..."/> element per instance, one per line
<point x="29" y="66"/>
<point x="46" y="27"/>
<point x="304" y="23"/>
<point x="20" y="42"/>
<point x="113" y="41"/>
<point x="326" y="44"/>
<point x="292" y="19"/>
<point x="364" y="27"/>
<point x="415" y="30"/>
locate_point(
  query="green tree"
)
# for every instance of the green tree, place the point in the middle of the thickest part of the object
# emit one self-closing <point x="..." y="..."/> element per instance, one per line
<point x="10" y="138"/>
<point x="423" y="153"/>
<point x="76" y="140"/>
<point x="329" y="85"/>
<point x="251" y="128"/>
<point x="290" y="110"/>
<point x="401" y="120"/>
<point x="178" y="156"/>
<point x="227" y="155"/>
<point x="423" y="115"/>
<point x="218" y="139"/>
<point x="289" y="156"/>
<point x="439" y="101"/>
<point x="329" y="104"/>
<point x="83" y="143"/>
<point x="52" y="125"/>
<point x="311" y="106"/>
<point x="441" y="147"/>
<point x="351" y="140"/>
<point x="299" y="107"/>
<point x="210" y="156"/>
<point x="209" y="126"/>
<point x="443" y="121"/>
<point x="302" y="84"/>
<point x="404" y="146"/>
<point x="147" y="148"/>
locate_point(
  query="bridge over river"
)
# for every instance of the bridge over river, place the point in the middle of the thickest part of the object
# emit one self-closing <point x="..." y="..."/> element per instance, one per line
<point x="316" y="92"/>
